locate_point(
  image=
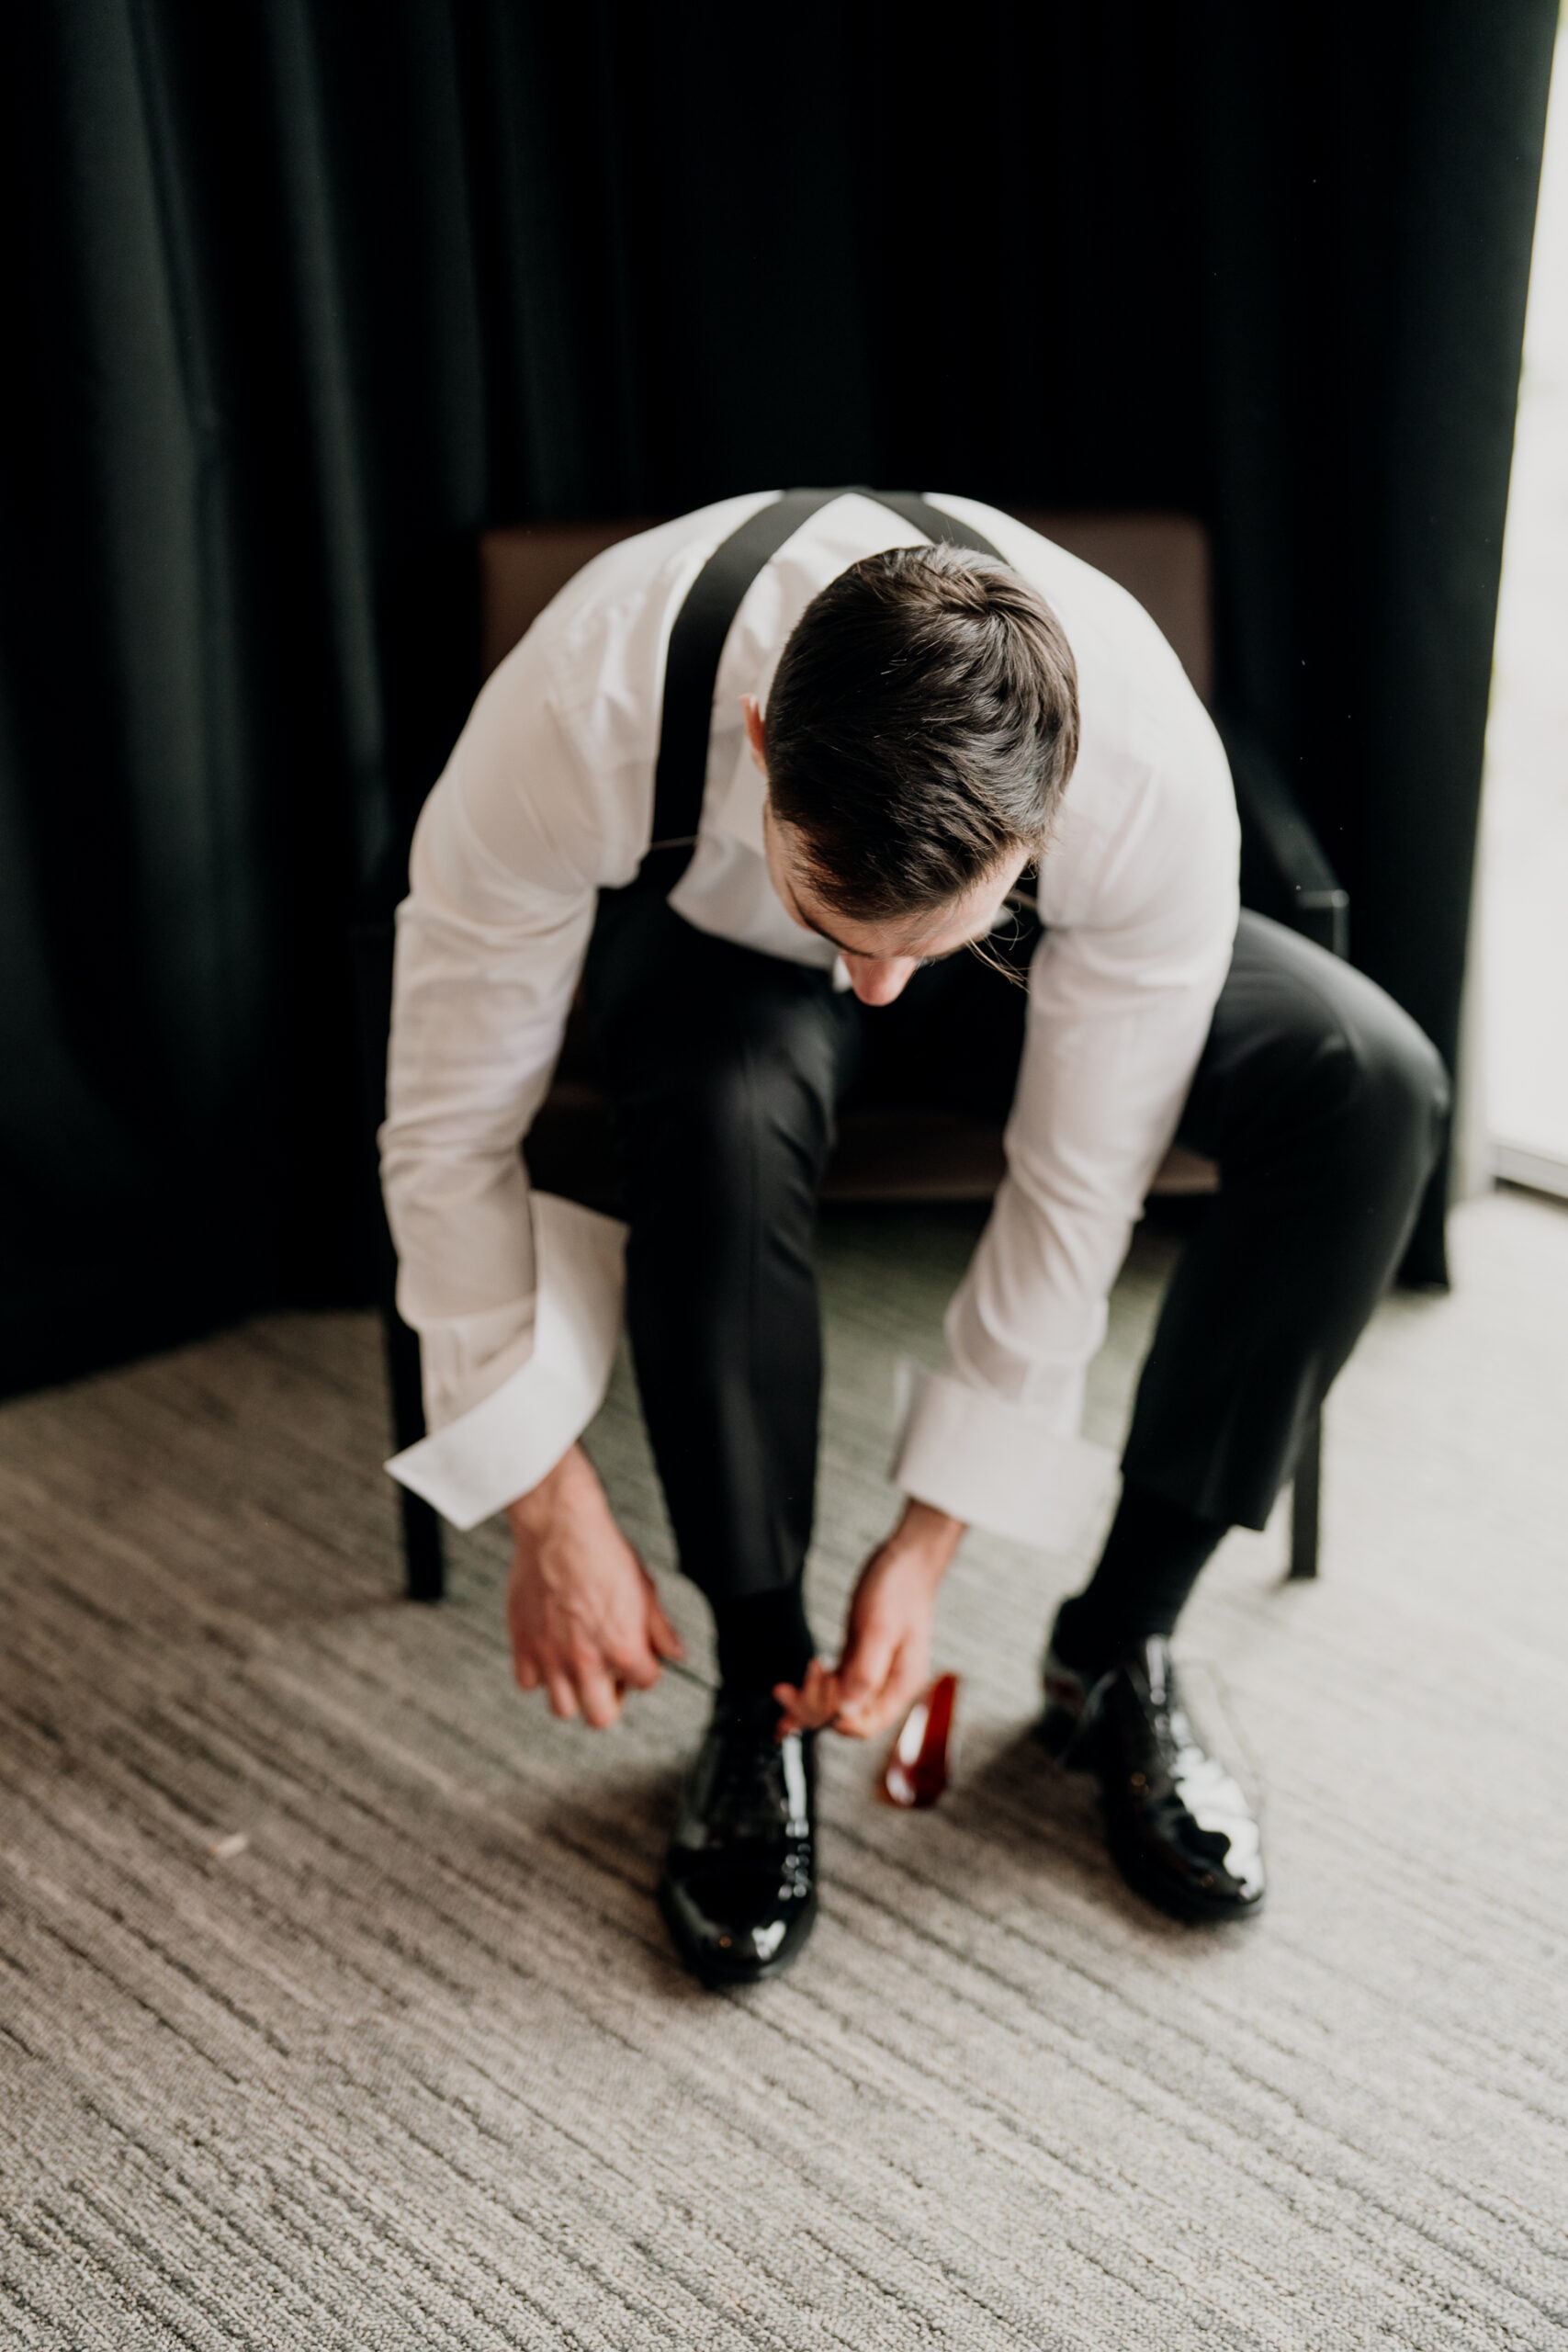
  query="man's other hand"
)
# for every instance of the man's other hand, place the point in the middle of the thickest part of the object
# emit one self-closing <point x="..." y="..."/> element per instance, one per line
<point x="887" y="1643"/>
<point x="584" y="1617"/>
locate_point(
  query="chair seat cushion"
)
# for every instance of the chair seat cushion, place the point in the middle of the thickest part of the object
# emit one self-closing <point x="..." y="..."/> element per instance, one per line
<point x="884" y="1154"/>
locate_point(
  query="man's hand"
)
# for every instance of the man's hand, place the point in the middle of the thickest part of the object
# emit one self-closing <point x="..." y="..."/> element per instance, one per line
<point x="584" y="1617"/>
<point x="887" y="1643"/>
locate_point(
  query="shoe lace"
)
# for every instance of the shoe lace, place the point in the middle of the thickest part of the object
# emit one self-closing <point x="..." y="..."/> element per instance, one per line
<point x="749" y="1792"/>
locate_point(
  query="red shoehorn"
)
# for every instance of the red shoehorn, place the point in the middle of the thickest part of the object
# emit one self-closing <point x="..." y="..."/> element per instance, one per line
<point x="916" y="1768"/>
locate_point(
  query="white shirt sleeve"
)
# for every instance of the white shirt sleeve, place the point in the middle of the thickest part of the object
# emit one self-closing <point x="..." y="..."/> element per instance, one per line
<point x="1140" y="901"/>
<point x="516" y="1299"/>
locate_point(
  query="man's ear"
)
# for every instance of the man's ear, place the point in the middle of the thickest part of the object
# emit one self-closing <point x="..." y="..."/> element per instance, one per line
<point x="754" y="735"/>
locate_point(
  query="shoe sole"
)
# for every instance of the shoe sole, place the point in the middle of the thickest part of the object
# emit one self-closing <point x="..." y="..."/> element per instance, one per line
<point x="716" y="1976"/>
<point x="1189" y="1908"/>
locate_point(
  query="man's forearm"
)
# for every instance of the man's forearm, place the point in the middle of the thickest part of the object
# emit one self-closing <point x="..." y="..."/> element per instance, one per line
<point x="928" y="1536"/>
<point x="572" y="1478"/>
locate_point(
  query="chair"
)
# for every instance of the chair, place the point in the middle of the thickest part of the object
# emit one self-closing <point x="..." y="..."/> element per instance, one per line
<point x="882" y="1154"/>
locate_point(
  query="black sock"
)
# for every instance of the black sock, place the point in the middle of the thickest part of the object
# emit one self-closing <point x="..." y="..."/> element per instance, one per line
<point x="1150" y="1564"/>
<point x="763" y="1638"/>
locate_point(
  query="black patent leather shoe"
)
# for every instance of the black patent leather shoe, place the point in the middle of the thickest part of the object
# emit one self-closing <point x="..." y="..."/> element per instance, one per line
<point x="739" y="1892"/>
<point x="1179" y="1829"/>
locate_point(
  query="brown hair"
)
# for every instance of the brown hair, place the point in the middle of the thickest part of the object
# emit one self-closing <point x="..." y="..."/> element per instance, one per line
<point x="921" y="727"/>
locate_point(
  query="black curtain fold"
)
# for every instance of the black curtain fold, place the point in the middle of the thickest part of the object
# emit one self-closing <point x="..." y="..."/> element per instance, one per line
<point x="304" y="292"/>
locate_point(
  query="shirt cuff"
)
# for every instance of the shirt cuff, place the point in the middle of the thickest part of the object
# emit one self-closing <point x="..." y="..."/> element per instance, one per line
<point x="503" y="1446"/>
<point x="996" y="1464"/>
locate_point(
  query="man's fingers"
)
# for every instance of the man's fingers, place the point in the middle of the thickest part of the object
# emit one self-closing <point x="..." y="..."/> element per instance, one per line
<point x="591" y="1640"/>
<point x="823" y="1693"/>
<point x="563" y="1698"/>
<point x="661" y="1634"/>
<point x="902" y="1687"/>
<point x="862" y="1718"/>
<point x="796" y="1712"/>
<point x="812" y="1705"/>
<point x="820" y="1693"/>
<point x="600" y="1704"/>
<point x="636" y="1665"/>
<point x="636" y="1672"/>
<point x="864" y="1668"/>
<point x="865" y="1721"/>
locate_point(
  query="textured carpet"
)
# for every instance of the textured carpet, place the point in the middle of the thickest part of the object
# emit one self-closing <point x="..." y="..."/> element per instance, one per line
<point x="333" y="2010"/>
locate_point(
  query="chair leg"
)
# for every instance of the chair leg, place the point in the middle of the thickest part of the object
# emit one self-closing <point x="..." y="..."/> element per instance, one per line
<point x="424" y="1565"/>
<point x="1305" y="1499"/>
<point x="424" y="1558"/>
<point x="424" y="1561"/>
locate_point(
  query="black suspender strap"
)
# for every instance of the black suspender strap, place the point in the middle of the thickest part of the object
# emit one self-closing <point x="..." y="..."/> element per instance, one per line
<point x="691" y="673"/>
<point x="697" y="648"/>
<point x="933" y="522"/>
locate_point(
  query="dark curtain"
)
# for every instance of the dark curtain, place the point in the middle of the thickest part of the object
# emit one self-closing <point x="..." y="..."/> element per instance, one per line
<point x="302" y="292"/>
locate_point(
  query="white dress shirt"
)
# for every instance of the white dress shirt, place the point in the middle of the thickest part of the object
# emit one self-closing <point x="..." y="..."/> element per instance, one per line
<point x="547" y="798"/>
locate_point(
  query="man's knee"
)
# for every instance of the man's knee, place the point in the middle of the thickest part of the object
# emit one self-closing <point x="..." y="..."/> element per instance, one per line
<point x="760" y="1110"/>
<point x="733" y="1136"/>
<point x="1322" y="1073"/>
<point x="1415" y="1083"/>
<point x="1397" y="1103"/>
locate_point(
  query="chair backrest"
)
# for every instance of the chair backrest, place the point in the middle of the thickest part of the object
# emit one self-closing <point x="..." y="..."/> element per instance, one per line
<point x="1162" y="559"/>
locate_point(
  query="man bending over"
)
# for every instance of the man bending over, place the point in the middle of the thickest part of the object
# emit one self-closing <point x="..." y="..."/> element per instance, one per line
<point x="758" y="780"/>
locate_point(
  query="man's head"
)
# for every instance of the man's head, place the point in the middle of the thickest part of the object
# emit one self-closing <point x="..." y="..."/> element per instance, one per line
<point x="921" y="727"/>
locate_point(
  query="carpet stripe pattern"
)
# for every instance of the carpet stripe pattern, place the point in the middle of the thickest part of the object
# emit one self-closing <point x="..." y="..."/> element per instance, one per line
<point x="335" y="2011"/>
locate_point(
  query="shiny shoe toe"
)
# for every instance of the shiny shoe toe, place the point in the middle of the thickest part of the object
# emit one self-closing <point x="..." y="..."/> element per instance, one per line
<point x="738" y="1892"/>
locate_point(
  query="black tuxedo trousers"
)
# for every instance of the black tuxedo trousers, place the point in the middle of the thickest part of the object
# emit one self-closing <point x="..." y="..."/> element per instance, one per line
<point x="1321" y="1101"/>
